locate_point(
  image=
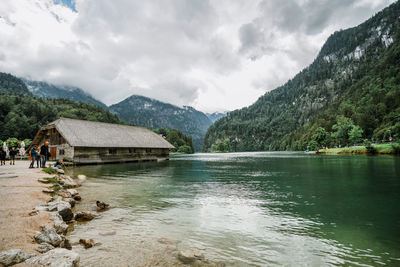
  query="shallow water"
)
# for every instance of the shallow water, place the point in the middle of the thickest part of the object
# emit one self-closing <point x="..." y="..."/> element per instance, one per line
<point x="261" y="209"/>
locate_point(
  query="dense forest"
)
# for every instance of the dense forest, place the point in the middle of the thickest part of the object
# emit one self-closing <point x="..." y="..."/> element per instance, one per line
<point x="22" y="115"/>
<point x="181" y="142"/>
<point x="351" y="92"/>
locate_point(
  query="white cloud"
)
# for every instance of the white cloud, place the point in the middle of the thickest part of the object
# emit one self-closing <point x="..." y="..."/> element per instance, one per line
<point x="215" y="55"/>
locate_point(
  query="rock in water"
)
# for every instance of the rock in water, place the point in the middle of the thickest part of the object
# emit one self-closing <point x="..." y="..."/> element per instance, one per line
<point x="87" y="243"/>
<point x="59" y="257"/>
<point x="66" y="244"/>
<point x="188" y="257"/>
<point x="13" y="256"/>
<point x="68" y="181"/>
<point x="48" y="235"/>
<point x="84" y="216"/>
<point x="102" y="205"/>
<point x="64" y="209"/>
<point x="73" y="192"/>
<point x="71" y="201"/>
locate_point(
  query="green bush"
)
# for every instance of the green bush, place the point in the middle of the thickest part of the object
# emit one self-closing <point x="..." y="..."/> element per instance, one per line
<point x="312" y="146"/>
<point x="49" y="170"/>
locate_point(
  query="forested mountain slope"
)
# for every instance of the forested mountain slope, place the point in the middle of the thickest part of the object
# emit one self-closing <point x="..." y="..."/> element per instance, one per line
<point x="153" y="114"/>
<point x="48" y="90"/>
<point x="355" y="78"/>
<point x="10" y="84"/>
<point x="22" y="114"/>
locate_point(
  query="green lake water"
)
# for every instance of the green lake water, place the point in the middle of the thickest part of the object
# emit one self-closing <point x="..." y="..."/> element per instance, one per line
<point x="245" y="209"/>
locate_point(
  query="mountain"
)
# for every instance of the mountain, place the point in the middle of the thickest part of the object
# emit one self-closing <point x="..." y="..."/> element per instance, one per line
<point x="153" y="114"/>
<point x="351" y="89"/>
<point x="48" y="90"/>
<point x="10" y="84"/>
<point x="216" y="116"/>
<point x="22" y="114"/>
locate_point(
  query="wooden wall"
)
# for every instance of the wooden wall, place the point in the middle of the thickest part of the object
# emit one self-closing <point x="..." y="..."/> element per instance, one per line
<point x="92" y="155"/>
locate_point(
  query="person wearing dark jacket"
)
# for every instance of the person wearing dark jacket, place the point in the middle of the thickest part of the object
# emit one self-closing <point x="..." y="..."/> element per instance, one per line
<point x="33" y="154"/>
<point x="2" y="157"/>
<point x="44" y="153"/>
<point x="13" y="153"/>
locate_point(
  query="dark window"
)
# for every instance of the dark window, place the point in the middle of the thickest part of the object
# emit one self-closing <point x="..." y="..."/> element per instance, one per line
<point x="132" y="150"/>
<point x="61" y="152"/>
<point x="112" y="151"/>
<point x="148" y="150"/>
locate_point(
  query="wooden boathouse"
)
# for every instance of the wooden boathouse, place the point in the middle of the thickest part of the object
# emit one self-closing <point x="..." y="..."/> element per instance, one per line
<point x="88" y="142"/>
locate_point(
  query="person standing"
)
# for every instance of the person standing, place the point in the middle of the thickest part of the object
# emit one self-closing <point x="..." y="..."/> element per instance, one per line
<point x="13" y="153"/>
<point x="44" y="152"/>
<point x="2" y="157"/>
<point x="38" y="161"/>
<point x="33" y="154"/>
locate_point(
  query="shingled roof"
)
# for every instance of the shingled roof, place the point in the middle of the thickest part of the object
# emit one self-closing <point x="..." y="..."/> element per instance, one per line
<point x="82" y="133"/>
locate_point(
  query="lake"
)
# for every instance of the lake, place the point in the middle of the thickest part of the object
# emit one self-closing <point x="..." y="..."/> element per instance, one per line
<point x="245" y="209"/>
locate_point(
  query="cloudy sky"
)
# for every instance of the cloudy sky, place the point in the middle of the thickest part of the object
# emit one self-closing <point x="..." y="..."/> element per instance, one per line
<point x="214" y="55"/>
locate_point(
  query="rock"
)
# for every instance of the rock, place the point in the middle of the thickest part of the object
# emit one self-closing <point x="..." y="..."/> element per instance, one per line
<point x="166" y="241"/>
<point x="59" y="257"/>
<point x="77" y="197"/>
<point x="102" y="205"/>
<point x="71" y="201"/>
<point x="44" y="247"/>
<point x="81" y="177"/>
<point x="64" y="193"/>
<point x="73" y="192"/>
<point x="84" y="216"/>
<point x="64" y="209"/>
<point x="59" y="224"/>
<point x="68" y="181"/>
<point x="111" y="232"/>
<point x="13" y="256"/>
<point x="60" y="171"/>
<point x="66" y="244"/>
<point x="48" y="235"/>
<point x="48" y="191"/>
<point x="87" y="243"/>
<point x="188" y="257"/>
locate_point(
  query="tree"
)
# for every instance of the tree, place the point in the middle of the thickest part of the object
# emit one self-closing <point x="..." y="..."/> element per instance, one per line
<point x="321" y="137"/>
<point x="342" y="129"/>
<point x="312" y="146"/>
<point x="355" y="134"/>
<point x="13" y="142"/>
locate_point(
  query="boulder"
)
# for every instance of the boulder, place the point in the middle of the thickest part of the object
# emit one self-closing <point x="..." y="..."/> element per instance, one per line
<point x="64" y="193"/>
<point x="59" y="224"/>
<point x="84" y="216"/>
<point x="64" y="209"/>
<point x="77" y="197"/>
<point x="13" y="256"/>
<point x="73" y="192"/>
<point x="71" y="201"/>
<point x="188" y="257"/>
<point x="68" y="181"/>
<point x="66" y="244"/>
<point x="59" y="257"/>
<point x="60" y="171"/>
<point x="87" y="243"/>
<point x="44" y="247"/>
<point x="48" y="235"/>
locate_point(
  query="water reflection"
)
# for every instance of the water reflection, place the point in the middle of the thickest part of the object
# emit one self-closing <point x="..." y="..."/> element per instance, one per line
<point x="246" y="209"/>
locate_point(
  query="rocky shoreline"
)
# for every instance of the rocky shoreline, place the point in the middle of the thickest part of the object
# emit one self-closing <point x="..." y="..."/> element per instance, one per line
<point x="54" y="247"/>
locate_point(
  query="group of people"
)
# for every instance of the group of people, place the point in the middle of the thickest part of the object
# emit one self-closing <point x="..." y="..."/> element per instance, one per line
<point x="3" y="155"/>
<point x="39" y="155"/>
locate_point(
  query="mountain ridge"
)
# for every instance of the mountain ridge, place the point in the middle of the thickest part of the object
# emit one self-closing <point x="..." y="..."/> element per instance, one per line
<point x="287" y="117"/>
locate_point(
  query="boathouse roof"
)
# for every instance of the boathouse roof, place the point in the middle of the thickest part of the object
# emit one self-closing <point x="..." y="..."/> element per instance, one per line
<point x="82" y="133"/>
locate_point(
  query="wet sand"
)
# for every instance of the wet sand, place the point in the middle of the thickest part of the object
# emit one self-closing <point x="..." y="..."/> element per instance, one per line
<point x="20" y="192"/>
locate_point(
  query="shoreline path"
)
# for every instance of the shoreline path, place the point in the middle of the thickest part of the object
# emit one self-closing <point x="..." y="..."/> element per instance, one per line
<point x="20" y="192"/>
